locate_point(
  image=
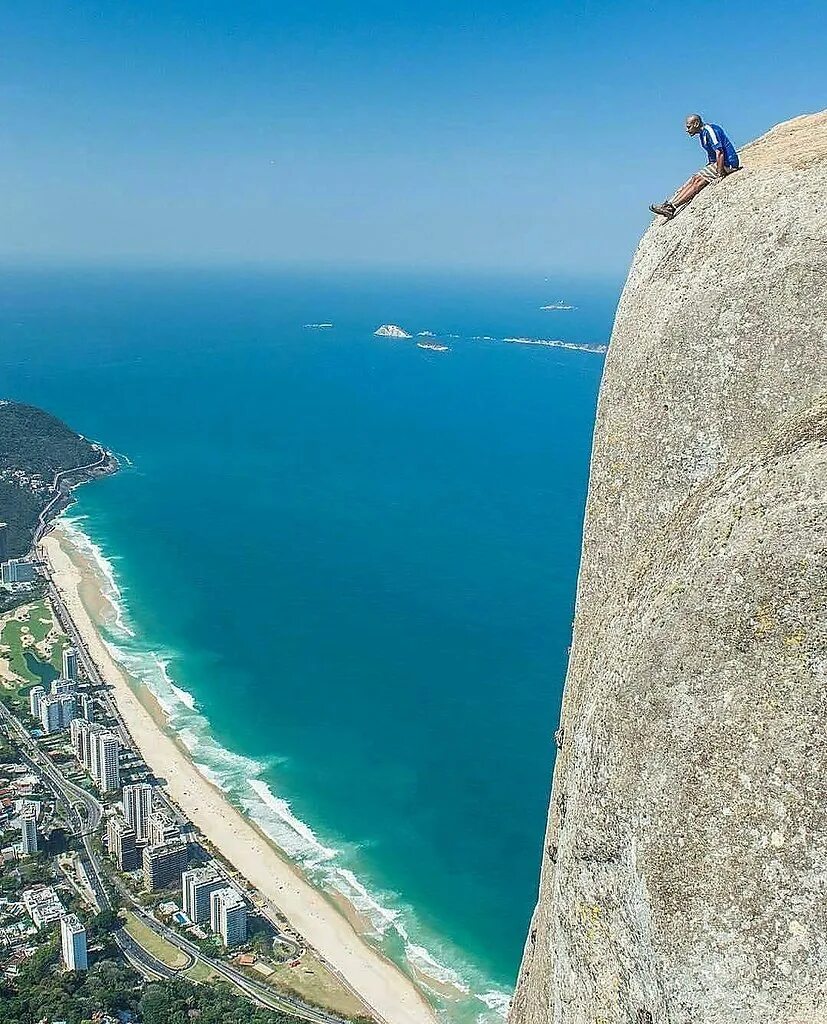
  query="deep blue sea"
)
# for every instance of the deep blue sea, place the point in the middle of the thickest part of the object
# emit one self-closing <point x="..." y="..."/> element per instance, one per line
<point x="346" y="565"/>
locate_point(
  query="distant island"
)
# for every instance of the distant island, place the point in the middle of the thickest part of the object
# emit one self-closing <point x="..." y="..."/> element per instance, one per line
<point x="575" y="346"/>
<point x="391" y="331"/>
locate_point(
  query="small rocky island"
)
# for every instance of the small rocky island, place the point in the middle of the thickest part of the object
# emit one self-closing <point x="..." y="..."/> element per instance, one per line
<point x="391" y="331"/>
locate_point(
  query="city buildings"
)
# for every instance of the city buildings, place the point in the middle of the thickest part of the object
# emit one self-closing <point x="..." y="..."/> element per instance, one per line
<point x="137" y="808"/>
<point x="56" y="711"/>
<point x="162" y="829"/>
<point x="99" y="752"/>
<point x="28" y="829"/>
<point x="197" y="886"/>
<point x="43" y="905"/>
<point x="4" y="542"/>
<point x="228" y="916"/>
<point x="164" y="864"/>
<point x="120" y="838"/>
<point x="73" y="943"/>
<point x="36" y="695"/>
<point x="70" y="663"/>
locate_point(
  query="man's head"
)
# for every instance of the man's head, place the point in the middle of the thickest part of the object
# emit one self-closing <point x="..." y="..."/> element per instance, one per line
<point x="693" y="124"/>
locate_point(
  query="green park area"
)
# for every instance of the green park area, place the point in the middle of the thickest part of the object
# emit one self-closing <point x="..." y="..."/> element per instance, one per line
<point x="154" y="943"/>
<point x="31" y="648"/>
<point x="312" y="982"/>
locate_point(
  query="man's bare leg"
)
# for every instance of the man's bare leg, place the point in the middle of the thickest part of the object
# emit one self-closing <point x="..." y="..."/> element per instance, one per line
<point x="688" y="191"/>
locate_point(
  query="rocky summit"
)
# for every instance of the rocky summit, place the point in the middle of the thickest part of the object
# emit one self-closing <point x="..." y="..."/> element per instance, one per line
<point x="684" y="868"/>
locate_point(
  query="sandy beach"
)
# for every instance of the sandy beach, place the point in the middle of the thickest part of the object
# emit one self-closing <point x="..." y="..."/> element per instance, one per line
<point x="380" y="984"/>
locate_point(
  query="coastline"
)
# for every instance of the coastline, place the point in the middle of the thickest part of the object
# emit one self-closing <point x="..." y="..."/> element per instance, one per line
<point x="382" y="986"/>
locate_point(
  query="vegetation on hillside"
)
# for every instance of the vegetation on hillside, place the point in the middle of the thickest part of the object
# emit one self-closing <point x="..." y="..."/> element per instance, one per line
<point x="34" y="446"/>
<point x="44" y="992"/>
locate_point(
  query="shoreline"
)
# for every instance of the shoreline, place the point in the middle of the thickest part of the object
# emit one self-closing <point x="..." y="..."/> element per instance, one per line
<point x="379" y="983"/>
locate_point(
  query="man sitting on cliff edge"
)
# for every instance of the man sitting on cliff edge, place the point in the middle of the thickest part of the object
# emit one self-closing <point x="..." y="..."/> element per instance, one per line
<point x="723" y="160"/>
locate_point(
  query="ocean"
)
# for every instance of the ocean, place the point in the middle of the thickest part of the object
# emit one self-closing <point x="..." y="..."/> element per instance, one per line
<point x="345" y="565"/>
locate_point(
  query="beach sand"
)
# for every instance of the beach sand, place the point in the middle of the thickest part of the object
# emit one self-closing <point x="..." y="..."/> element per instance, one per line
<point x="379" y="983"/>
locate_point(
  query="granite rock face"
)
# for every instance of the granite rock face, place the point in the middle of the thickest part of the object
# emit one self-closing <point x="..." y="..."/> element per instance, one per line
<point x="684" y="874"/>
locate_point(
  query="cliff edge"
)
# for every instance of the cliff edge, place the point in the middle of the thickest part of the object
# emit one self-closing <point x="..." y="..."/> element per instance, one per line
<point x="684" y="875"/>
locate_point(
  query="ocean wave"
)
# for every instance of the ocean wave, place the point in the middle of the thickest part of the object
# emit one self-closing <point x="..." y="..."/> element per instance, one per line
<point x="186" y="698"/>
<point x="499" y="1002"/>
<point x="241" y="778"/>
<point x="431" y="968"/>
<point x="317" y="850"/>
<point x="111" y="591"/>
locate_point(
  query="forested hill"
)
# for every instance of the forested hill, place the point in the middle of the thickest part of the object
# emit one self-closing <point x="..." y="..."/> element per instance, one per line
<point x="34" y="447"/>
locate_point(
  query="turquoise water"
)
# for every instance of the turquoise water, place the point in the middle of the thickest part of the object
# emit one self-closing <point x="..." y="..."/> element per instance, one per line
<point x="345" y="565"/>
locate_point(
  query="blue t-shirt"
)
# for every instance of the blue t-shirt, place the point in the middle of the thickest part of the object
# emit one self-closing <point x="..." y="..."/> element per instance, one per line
<point x="714" y="140"/>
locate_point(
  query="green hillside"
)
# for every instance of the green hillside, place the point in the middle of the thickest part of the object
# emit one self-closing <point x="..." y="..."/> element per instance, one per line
<point x="34" y="446"/>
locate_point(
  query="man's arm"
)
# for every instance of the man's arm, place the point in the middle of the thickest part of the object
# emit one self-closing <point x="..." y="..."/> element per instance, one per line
<point x="720" y="162"/>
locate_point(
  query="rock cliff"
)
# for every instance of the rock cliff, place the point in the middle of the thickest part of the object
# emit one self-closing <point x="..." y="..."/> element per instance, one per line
<point x="684" y="875"/>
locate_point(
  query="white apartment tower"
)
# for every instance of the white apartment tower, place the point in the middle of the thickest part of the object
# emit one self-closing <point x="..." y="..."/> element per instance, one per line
<point x="228" y="916"/>
<point x="70" y="663"/>
<point x="73" y="943"/>
<point x="81" y="739"/>
<point x="197" y="886"/>
<point x="86" y="707"/>
<point x="36" y="696"/>
<point x="28" y="830"/>
<point x="137" y="808"/>
<point x="106" y="749"/>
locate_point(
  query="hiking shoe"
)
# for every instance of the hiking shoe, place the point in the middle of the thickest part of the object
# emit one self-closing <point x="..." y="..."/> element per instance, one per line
<point x="664" y="209"/>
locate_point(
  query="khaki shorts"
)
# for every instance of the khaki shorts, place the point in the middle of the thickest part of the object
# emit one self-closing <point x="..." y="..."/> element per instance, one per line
<point x="710" y="173"/>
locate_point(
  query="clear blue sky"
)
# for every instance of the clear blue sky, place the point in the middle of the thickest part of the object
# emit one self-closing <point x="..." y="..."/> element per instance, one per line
<point x="511" y="135"/>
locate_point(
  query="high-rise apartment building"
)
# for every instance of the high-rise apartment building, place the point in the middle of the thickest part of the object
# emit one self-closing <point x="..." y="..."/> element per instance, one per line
<point x="106" y="760"/>
<point x="70" y="663"/>
<point x="36" y="696"/>
<point x="120" y="838"/>
<point x="17" y="570"/>
<point x="56" y="711"/>
<point x="51" y="714"/>
<point x="73" y="943"/>
<point x="228" y="915"/>
<point x="86" y="707"/>
<point x="164" y="864"/>
<point x="28" y="830"/>
<point x="196" y="887"/>
<point x="162" y="829"/>
<point x="137" y="809"/>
